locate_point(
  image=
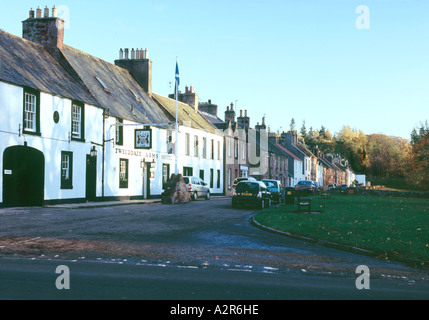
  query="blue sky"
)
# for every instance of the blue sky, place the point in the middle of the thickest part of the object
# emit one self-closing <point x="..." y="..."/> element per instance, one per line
<point x="301" y="59"/>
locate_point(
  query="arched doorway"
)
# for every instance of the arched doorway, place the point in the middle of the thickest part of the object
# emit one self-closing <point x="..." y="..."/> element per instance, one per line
<point x="23" y="177"/>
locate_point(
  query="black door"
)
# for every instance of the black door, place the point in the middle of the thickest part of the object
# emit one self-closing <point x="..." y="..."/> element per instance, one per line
<point x="91" y="178"/>
<point x="23" y="177"/>
<point x="148" y="166"/>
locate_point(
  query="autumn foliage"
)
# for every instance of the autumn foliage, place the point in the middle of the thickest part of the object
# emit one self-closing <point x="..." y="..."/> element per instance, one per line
<point x="384" y="159"/>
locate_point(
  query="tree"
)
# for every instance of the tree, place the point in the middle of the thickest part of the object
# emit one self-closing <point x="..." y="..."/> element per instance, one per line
<point x="418" y="173"/>
<point x="351" y="144"/>
<point x="292" y="125"/>
<point x="388" y="156"/>
<point x="303" y="132"/>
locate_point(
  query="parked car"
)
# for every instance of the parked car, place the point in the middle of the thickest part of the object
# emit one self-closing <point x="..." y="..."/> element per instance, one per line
<point x="332" y="186"/>
<point x="344" y="188"/>
<point x="197" y="188"/>
<point x="236" y="181"/>
<point x="276" y="189"/>
<point x="318" y="187"/>
<point x="254" y="193"/>
<point x="305" y="187"/>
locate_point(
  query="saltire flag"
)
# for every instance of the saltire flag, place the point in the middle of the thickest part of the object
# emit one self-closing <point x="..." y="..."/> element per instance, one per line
<point x="176" y="87"/>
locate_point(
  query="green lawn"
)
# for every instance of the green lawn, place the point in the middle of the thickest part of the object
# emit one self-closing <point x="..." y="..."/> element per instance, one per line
<point x="395" y="227"/>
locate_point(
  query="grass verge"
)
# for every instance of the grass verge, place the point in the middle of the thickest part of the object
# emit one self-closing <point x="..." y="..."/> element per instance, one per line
<point x="397" y="228"/>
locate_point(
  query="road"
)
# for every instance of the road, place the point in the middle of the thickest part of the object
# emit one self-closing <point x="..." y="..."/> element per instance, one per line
<point x="202" y="250"/>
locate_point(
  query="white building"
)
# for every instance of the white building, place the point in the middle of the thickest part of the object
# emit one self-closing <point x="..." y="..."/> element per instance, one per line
<point x="75" y="128"/>
<point x="200" y="144"/>
<point x="46" y="137"/>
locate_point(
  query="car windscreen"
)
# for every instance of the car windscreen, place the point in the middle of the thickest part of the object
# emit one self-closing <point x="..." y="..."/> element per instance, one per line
<point x="270" y="184"/>
<point x="186" y="180"/>
<point x="304" y="183"/>
<point x="247" y="187"/>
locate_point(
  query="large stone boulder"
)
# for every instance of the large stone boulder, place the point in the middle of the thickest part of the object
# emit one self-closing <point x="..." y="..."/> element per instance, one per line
<point x="175" y="191"/>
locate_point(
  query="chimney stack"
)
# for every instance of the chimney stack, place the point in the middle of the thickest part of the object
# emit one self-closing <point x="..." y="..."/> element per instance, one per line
<point x="262" y="126"/>
<point x="139" y="66"/>
<point x="243" y="122"/>
<point x="230" y="114"/>
<point x="46" y="31"/>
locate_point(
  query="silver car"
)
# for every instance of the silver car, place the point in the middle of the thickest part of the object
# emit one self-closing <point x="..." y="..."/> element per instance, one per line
<point x="197" y="188"/>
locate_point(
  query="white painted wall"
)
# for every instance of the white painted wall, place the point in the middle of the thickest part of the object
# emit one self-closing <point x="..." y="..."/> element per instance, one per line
<point x="53" y="140"/>
<point x="200" y="163"/>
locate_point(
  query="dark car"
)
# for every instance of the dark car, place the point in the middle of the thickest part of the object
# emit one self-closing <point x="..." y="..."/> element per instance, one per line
<point x="238" y="180"/>
<point x="252" y="193"/>
<point x="305" y="187"/>
<point x="276" y="189"/>
<point x="344" y="188"/>
<point x="318" y="186"/>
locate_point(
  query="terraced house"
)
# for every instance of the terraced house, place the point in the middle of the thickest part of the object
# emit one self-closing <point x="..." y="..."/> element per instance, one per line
<point x="75" y="128"/>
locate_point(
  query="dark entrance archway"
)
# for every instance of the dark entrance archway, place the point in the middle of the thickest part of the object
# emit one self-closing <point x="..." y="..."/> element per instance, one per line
<point x="23" y="177"/>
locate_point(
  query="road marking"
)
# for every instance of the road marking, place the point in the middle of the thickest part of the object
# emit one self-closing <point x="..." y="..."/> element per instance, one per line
<point x="25" y="241"/>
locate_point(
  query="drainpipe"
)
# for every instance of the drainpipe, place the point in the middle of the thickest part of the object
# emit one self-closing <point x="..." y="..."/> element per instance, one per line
<point x="103" y="158"/>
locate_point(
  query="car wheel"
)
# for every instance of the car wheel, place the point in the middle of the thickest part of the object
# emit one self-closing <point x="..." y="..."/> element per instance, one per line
<point x="195" y="196"/>
<point x="208" y="196"/>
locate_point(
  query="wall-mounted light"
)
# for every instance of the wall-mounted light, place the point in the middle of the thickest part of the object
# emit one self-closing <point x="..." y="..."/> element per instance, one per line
<point x="93" y="152"/>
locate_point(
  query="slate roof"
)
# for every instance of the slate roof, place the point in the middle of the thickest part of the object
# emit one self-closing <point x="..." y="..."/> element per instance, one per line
<point x="125" y="98"/>
<point x="73" y="76"/>
<point x="211" y="117"/>
<point x="288" y="152"/>
<point x="186" y="113"/>
<point x="25" y="63"/>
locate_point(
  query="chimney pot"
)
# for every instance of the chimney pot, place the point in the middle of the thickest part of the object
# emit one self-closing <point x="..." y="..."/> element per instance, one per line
<point x="126" y="53"/>
<point x="54" y="12"/>
<point x="31" y="15"/>
<point x="133" y="54"/>
<point x="241" y="113"/>
<point x="46" y="13"/>
<point x="121" y="54"/>
<point x="147" y="53"/>
<point x="38" y="13"/>
<point x="245" y="113"/>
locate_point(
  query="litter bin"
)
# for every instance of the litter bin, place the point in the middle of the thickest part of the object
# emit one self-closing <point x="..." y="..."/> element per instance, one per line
<point x="289" y="195"/>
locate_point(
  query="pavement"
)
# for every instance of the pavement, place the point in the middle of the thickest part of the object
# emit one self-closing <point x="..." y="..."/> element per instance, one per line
<point x="90" y="205"/>
<point x="102" y="204"/>
<point x="85" y="205"/>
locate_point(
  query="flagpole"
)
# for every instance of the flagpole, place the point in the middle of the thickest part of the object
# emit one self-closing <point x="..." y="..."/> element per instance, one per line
<point x="176" y="147"/>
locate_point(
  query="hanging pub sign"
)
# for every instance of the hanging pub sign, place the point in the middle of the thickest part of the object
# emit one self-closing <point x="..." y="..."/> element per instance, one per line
<point x="143" y="139"/>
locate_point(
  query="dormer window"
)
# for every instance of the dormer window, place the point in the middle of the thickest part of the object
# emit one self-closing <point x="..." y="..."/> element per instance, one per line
<point x="102" y="84"/>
